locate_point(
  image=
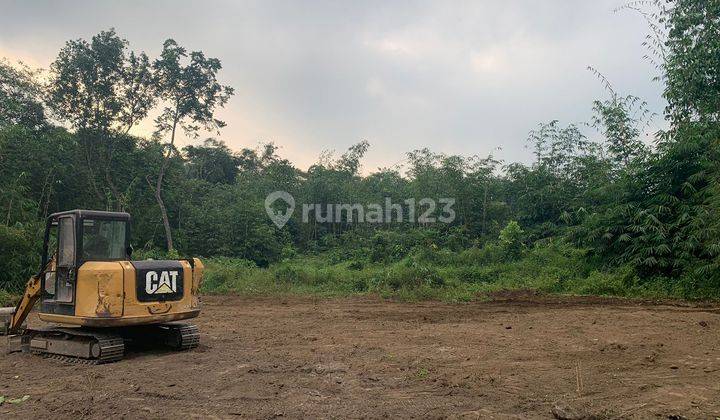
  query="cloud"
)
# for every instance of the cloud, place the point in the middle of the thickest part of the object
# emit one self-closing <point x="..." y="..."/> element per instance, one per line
<point x="459" y="77"/>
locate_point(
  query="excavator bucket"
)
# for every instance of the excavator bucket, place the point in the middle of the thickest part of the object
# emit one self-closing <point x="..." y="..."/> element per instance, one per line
<point x="14" y="341"/>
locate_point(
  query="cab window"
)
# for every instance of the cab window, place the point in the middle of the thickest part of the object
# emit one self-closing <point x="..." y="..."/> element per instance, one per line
<point x="50" y="275"/>
<point x="66" y="248"/>
<point x="103" y="239"/>
<point x="65" y="277"/>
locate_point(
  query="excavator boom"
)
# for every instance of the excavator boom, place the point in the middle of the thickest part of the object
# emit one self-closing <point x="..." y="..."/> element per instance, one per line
<point x="17" y="316"/>
<point x="23" y="308"/>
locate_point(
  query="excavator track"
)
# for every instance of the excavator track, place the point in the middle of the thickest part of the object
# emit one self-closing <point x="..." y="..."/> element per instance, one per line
<point x="94" y="347"/>
<point x="176" y="335"/>
<point x="73" y="345"/>
<point x="188" y="336"/>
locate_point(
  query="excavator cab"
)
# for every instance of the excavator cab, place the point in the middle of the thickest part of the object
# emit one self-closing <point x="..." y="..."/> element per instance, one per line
<point x="71" y="239"/>
<point x="99" y="298"/>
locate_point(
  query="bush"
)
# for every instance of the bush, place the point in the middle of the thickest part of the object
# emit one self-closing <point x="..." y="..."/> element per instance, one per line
<point x="412" y="276"/>
<point x="476" y="274"/>
<point x="511" y="239"/>
<point x="489" y="254"/>
<point x="154" y="254"/>
<point x="388" y="246"/>
<point x="550" y="266"/>
<point x="8" y="299"/>
<point x="360" y="285"/>
<point x="602" y="283"/>
<point x="289" y="274"/>
<point x="223" y="275"/>
<point x="356" y="265"/>
<point x="19" y="255"/>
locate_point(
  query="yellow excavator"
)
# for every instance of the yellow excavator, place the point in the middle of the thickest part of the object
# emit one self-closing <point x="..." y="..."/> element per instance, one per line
<point x="98" y="298"/>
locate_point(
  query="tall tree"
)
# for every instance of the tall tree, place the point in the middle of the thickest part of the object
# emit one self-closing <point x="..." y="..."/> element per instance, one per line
<point x="20" y="97"/>
<point x="102" y="90"/>
<point x="189" y="87"/>
<point x="692" y="61"/>
<point x="620" y="119"/>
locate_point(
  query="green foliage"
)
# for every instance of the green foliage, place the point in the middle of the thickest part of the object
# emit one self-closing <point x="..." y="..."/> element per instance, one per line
<point x="411" y="276"/>
<point x="224" y="275"/>
<point x="20" y="97"/>
<point x="19" y="256"/>
<point x="691" y="63"/>
<point x="101" y="75"/>
<point x="7" y="299"/>
<point x="213" y="162"/>
<point x="388" y="246"/>
<point x="620" y="123"/>
<point x="187" y="82"/>
<point x="511" y="238"/>
<point x="102" y="90"/>
<point x="553" y="267"/>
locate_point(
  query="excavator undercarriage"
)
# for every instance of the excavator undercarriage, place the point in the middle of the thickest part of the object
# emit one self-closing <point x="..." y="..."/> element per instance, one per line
<point x="90" y="345"/>
<point x="98" y="346"/>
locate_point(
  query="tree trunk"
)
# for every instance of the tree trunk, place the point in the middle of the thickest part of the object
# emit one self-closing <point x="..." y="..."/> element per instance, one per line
<point x="91" y="174"/>
<point x="119" y="201"/>
<point x="47" y="186"/>
<point x="484" y="212"/>
<point x="158" y="189"/>
<point x="109" y="141"/>
<point x="7" y="221"/>
<point x="163" y="210"/>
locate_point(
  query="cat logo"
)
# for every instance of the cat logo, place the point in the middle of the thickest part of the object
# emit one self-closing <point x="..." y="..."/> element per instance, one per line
<point x="165" y="282"/>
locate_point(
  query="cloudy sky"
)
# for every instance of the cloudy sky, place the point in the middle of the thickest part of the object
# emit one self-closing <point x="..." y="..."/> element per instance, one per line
<point x="458" y="77"/>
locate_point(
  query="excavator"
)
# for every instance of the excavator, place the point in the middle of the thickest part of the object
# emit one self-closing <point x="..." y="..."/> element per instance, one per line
<point x="97" y="299"/>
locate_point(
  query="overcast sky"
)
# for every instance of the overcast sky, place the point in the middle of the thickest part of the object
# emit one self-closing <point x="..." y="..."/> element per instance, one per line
<point x="458" y="77"/>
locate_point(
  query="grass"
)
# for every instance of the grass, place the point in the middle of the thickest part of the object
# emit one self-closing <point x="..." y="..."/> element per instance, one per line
<point x="429" y="273"/>
<point x="432" y="274"/>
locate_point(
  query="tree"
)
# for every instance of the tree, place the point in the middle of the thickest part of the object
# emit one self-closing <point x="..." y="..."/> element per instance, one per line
<point x="490" y="203"/>
<point x="349" y="162"/>
<point x="661" y="216"/>
<point x="559" y="149"/>
<point x="692" y="62"/>
<point x="213" y="162"/>
<point x="188" y="85"/>
<point x="614" y="117"/>
<point x="102" y="91"/>
<point x="620" y="119"/>
<point x="20" y="97"/>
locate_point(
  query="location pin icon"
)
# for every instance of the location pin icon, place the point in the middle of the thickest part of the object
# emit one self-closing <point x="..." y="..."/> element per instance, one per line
<point x="277" y="217"/>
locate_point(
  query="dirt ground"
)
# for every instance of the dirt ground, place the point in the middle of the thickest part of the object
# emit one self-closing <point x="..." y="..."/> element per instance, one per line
<point x="519" y="357"/>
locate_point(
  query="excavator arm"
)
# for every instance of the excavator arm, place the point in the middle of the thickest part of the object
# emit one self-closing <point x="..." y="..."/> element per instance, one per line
<point x="33" y="290"/>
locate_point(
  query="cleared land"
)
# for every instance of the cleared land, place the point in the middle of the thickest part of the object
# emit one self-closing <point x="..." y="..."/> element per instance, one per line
<point x="520" y="355"/>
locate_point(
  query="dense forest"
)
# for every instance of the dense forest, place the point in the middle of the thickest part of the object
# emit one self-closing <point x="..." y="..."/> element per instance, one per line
<point x="620" y="216"/>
